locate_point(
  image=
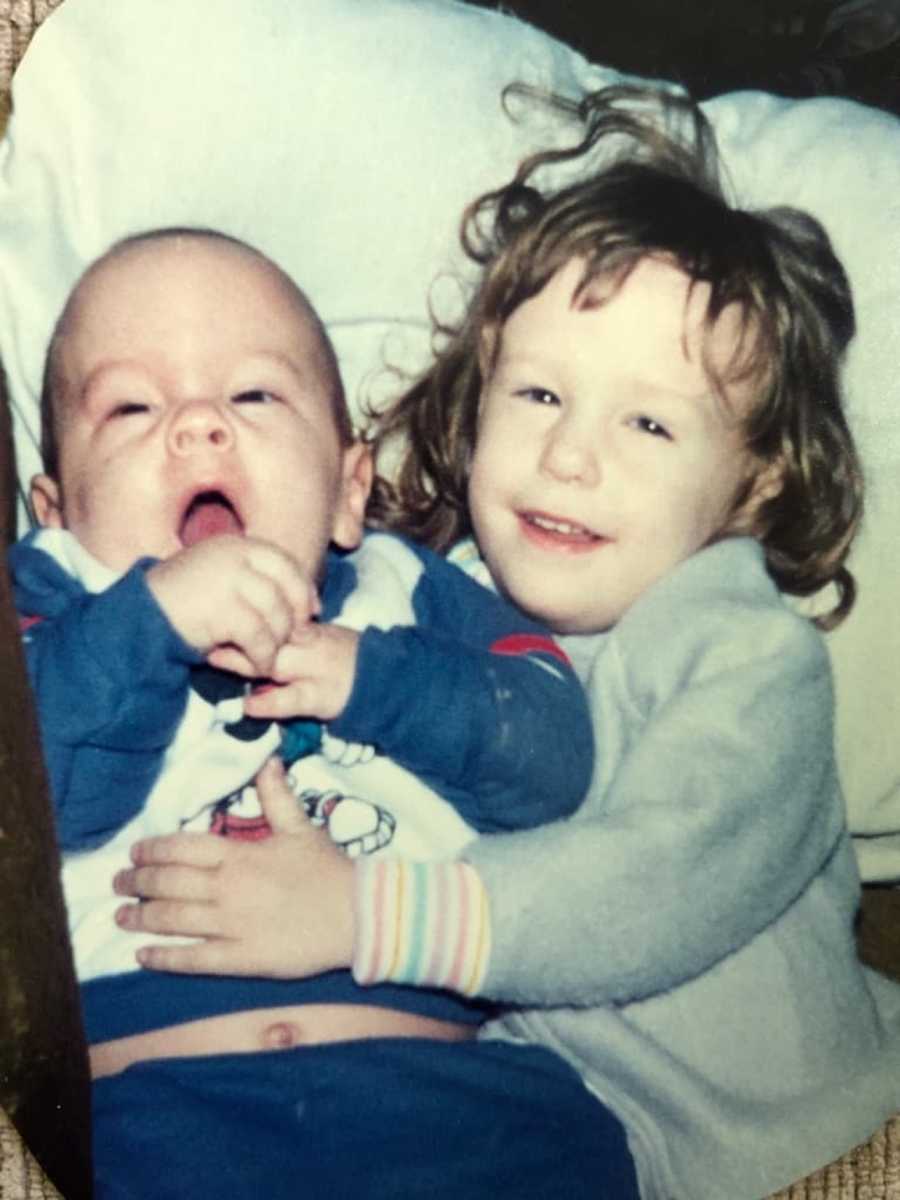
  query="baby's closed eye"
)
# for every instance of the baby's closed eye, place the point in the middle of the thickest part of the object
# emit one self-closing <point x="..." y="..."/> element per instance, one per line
<point x="128" y="408"/>
<point x="254" y="396"/>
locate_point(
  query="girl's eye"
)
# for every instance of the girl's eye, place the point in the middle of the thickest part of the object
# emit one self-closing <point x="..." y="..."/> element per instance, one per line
<point x="648" y="425"/>
<point x="539" y="395"/>
<point x="253" y="396"/>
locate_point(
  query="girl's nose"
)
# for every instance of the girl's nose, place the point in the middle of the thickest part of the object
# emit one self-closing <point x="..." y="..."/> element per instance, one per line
<point x="199" y="425"/>
<point x="569" y="456"/>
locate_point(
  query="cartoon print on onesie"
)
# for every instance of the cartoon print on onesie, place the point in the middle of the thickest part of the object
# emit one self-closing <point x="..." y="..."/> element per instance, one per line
<point x="356" y="825"/>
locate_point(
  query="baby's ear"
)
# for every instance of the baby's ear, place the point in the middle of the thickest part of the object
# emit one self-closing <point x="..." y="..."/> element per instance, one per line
<point x="46" y="502"/>
<point x="356" y="483"/>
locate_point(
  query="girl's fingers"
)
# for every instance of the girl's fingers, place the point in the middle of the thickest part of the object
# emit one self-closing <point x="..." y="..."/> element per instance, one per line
<point x="214" y="957"/>
<point x="166" y="883"/>
<point x="183" y="959"/>
<point x="184" y="849"/>
<point x="177" y="917"/>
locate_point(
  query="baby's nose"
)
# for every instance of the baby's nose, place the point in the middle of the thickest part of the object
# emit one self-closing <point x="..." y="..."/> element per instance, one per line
<point x="199" y="425"/>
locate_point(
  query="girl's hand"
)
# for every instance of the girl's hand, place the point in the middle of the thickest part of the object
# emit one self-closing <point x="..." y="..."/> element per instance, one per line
<point x="280" y="908"/>
<point x="313" y="674"/>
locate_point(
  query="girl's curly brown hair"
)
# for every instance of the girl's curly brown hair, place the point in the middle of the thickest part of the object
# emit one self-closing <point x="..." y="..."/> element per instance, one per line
<point x="777" y="266"/>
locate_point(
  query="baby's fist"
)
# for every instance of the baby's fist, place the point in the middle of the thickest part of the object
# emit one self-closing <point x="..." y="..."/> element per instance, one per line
<point x="234" y="591"/>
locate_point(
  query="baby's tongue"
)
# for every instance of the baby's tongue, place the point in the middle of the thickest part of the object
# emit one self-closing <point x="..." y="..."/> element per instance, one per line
<point x="206" y="518"/>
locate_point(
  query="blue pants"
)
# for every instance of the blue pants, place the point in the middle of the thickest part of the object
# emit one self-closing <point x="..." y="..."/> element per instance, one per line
<point x="365" y="1120"/>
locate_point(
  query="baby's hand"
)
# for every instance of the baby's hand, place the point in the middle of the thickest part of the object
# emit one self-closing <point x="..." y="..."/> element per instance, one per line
<point x="281" y="907"/>
<point x="312" y="674"/>
<point x="235" y="591"/>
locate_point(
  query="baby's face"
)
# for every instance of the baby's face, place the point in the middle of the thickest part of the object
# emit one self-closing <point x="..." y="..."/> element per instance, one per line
<point x="194" y="400"/>
<point x="604" y="455"/>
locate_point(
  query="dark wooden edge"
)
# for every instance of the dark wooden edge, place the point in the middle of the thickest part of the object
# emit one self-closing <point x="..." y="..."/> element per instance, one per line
<point x="44" y="1080"/>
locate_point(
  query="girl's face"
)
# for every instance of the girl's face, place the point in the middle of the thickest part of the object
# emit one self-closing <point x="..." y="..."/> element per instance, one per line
<point x="604" y="455"/>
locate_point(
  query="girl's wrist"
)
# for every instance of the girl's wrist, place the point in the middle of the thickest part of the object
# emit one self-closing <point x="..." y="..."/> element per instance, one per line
<point x="425" y="924"/>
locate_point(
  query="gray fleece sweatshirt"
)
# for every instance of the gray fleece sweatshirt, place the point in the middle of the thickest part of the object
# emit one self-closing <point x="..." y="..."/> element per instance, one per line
<point x="685" y="940"/>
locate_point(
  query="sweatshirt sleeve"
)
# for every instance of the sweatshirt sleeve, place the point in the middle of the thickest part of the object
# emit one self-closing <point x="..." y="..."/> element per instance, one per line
<point x="421" y="923"/>
<point x="478" y="701"/>
<point x="722" y="806"/>
<point x="110" y="679"/>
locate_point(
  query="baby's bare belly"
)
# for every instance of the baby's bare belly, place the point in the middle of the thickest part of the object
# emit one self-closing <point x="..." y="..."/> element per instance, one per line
<point x="270" y="1029"/>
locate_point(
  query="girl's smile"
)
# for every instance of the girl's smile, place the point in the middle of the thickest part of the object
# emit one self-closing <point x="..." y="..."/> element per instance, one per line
<point x="556" y="533"/>
<point x="600" y="430"/>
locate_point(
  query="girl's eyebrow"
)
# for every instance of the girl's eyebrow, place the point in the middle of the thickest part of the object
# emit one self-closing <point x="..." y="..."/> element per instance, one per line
<point x="527" y="358"/>
<point x="641" y="388"/>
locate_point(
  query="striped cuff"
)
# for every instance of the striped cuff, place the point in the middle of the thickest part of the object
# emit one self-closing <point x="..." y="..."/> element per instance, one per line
<point x="425" y="924"/>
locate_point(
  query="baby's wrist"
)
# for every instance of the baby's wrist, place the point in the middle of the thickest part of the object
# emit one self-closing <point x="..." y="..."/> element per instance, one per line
<point x="162" y="586"/>
<point x="425" y="924"/>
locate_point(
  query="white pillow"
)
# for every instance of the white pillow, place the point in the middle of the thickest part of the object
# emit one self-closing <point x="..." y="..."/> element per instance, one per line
<point x="344" y="137"/>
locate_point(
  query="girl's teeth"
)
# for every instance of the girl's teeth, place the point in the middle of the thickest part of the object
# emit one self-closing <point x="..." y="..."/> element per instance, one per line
<point x="558" y="526"/>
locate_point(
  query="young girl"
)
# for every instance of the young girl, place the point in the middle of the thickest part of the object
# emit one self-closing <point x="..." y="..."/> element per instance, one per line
<point x="639" y="423"/>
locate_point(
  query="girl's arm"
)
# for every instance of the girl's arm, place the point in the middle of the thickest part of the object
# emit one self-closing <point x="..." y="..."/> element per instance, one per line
<point x="715" y="805"/>
<point x="721" y="809"/>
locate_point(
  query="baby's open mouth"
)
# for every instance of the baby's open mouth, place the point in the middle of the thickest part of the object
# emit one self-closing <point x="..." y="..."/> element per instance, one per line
<point x="208" y="515"/>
